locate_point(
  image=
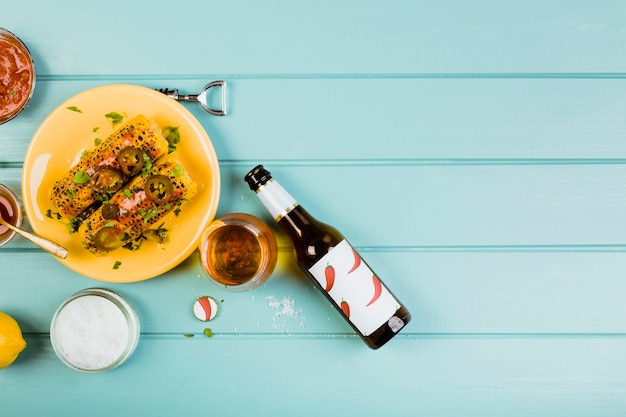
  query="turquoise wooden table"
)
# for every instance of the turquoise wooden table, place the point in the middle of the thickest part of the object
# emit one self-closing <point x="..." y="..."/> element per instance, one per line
<point x="473" y="152"/>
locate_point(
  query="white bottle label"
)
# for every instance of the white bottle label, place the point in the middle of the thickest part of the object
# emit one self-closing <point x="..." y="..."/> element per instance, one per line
<point x="355" y="288"/>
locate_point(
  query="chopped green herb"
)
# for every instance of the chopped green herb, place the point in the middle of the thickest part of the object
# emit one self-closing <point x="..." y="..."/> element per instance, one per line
<point x="148" y="214"/>
<point x="177" y="171"/>
<point x="103" y="198"/>
<point x="115" y="118"/>
<point x="73" y="224"/>
<point x="84" y="154"/>
<point x="74" y="108"/>
<point x="97" y="141"/>
<point x="95" y="129"/>
<point x="208" y="332"/>
<point x="178" y="203"/>
<point x="81" y="177"/>
<point x="131" y="246"/>
<point x="12" y="92"/>
<point x="147" y="165"/>
<point x="172" y="135"/>
<point x="188" y="335"/>
<point x="70" y="193"/>
<point x="109" y="224"/>
<point x="117" y="264"/>
<point x="127" y="193"/>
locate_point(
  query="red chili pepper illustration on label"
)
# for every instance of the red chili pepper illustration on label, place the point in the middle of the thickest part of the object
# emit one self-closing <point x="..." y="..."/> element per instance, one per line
<point x="329" y="272"/>
<point x="357" y="261"/>
<point x="378" y="288"/>
<point x="345" y="307"/>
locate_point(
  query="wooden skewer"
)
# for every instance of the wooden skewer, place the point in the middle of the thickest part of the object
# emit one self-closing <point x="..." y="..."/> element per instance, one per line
<point x="43" y="243"/>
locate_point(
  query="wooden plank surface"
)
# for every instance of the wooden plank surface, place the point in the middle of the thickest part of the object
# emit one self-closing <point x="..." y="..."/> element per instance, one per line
<point x="247" y="38"/>
<point x="409" y="120"/>
<point x="473" y="152"/>
<point x="440" y="376"/>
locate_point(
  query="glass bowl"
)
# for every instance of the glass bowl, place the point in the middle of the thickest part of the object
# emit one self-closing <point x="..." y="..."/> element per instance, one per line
<point x="17" y="76"/>
<point x="238" y="251"/>
<point x="11" y="211"/>
<point x="95" y="330"/>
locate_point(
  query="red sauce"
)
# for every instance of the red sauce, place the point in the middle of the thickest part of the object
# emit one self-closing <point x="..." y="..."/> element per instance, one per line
<point x="16" y="78"/>
<point x="9" y="213"/>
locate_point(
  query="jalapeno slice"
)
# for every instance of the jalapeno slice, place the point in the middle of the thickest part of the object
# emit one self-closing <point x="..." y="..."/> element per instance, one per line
<point x="109" y="211"/>
<point x="130" y="160"/>
<point x="107" y="180"/>
<point x="109" y="238"/>
<point x="156" y="235"/>
<point x="159" y="188"/>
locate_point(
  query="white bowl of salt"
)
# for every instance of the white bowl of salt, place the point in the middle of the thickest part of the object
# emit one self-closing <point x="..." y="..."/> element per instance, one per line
<point x="95" y="330"/>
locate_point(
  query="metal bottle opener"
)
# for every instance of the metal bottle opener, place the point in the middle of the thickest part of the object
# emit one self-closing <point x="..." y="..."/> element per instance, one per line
<point x="200" y="97"/>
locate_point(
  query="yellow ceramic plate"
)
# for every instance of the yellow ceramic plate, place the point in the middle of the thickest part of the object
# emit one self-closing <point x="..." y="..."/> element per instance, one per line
<point x="65" y="134"/>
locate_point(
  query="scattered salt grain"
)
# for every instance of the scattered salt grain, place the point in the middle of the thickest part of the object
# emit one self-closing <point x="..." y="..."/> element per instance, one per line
<point x="283" y="310"/>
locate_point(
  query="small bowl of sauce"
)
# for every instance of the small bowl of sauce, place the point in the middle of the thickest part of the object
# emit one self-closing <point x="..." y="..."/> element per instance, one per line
<point x="11" y="211"/>
<point x="17" y="76"/>
<point x="238" y="251"/>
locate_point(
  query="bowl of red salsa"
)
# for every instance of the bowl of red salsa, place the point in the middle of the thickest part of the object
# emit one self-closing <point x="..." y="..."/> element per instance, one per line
<point x="17" y="76"/>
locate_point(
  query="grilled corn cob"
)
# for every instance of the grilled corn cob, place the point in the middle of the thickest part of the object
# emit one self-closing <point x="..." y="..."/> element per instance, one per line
<point x="137" y="207"/>
<point x="76" y="191"/>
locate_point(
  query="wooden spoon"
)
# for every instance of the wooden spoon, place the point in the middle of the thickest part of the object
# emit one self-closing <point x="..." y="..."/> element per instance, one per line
<point x="43" y="243"/>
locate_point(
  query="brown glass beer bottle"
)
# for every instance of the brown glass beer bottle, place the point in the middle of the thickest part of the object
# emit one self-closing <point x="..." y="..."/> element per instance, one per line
<point x="333" y="265"/>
